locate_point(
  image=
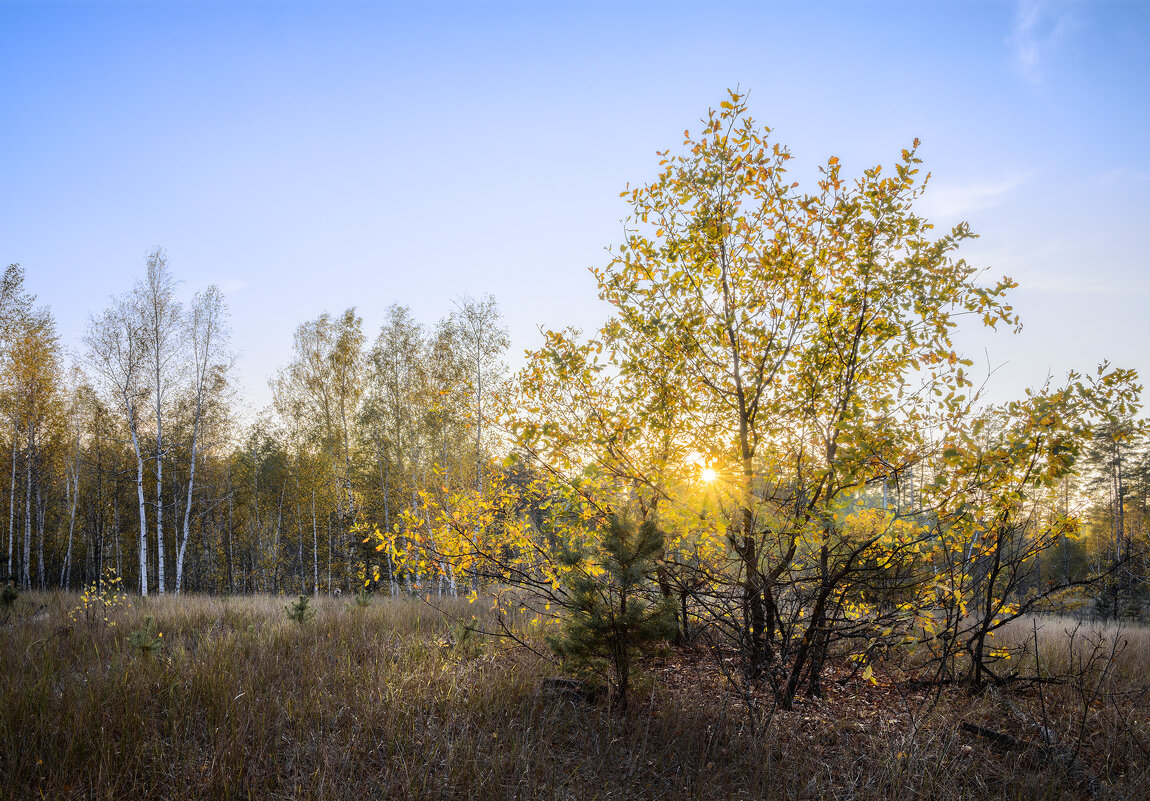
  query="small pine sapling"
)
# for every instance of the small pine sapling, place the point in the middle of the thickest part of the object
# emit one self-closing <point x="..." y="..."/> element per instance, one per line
<point x="146" y="639"/>
<point x="361" y="600"/>
<point x="611" y="616"/>
<point x="300" y="611"/>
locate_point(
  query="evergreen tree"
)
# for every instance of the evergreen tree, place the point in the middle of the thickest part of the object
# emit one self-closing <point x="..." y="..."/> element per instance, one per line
<point x="610" y="615"/>
<point x="301" y="611"/>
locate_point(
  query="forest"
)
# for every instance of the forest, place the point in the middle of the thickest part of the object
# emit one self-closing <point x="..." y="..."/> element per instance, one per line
<point x="770" y="466"/>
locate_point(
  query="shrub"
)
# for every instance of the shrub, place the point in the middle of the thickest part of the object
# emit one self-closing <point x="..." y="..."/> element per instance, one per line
<point x="99" y="599"/>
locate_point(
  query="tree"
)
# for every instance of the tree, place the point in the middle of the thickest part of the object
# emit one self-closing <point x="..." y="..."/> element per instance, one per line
<point x="609" y="616"/>
<point x="478" y="325"/>
<point x="996" y="514"/>
<point x="322" y="387"/>
<point x="1113" y="463"/>
<point x="33" y="379"/>
<point x="207" y="332"/>
<point x="162" y="326"/>
<point x="15" y="308"/>
<point x="117" y="353"/>
<point x="805" y="342"/>
<point x="78" y="397"/>
<point x="15" y="303"/>
<point x="389" y="419"/>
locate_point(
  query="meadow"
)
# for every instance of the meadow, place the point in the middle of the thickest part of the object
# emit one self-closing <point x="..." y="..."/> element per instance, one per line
<point x="227" y="698"/>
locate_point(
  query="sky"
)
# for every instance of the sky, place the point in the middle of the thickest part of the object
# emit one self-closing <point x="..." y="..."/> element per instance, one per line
<point x="311" y="156"/>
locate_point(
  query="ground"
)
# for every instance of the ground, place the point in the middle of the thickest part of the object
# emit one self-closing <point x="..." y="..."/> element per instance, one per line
<point x="395" y="701"/>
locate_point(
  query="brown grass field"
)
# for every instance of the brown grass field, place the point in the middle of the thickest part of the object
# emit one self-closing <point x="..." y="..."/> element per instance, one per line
<point x="389" y="702"/>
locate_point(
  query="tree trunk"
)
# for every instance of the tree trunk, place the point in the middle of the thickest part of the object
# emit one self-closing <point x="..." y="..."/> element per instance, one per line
<point x="140" y="498"/>
<point x="12" y="505"/>
<point x="299" y="543"/>
<point x="386" y="498"/>
<point x="276" y="540"/>
<point x="27" y="574"/>
<point x="314" y="547"/>
<point x="478" y="419"/>
<point x="1123" y="577"/>
<point x="231" y="557"/>
<point x="40" y="529"/>
<point x="159" y="496"/>
<point x="188" y="504"/>
<point x="73" y="491"/>
<point x="116" y="520"/>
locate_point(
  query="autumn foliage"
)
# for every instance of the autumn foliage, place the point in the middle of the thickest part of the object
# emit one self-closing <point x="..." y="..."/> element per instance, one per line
<point x="797" y="347"/>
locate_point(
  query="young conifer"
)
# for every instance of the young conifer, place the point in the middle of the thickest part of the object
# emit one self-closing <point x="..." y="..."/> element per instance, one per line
<point x="300" y="611"/>
<point x="611" y="615"/>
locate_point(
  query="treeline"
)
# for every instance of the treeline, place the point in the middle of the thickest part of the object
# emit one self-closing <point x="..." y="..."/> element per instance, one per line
<point x="128" y="459"/>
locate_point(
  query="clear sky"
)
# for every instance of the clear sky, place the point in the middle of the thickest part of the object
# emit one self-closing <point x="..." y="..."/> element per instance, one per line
<point x="310" y="156"/>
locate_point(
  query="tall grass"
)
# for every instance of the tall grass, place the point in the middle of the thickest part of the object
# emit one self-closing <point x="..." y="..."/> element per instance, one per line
<point x="387" y="702"/>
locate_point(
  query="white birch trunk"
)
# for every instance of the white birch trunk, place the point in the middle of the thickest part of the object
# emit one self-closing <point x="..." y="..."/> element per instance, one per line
<point x="188" y="504"/>
<point x="74" y="491"/>
<point x="140" y="497"/>
<point x="116" y="536"/>
<point x="159" y="498"/>
<point x="314" y="547"/>
<point x="12" y="503"/>
<point x="40" y="529"/>
<point x="27" y="575"/>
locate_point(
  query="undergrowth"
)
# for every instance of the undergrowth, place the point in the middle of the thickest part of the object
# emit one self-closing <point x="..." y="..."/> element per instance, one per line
<point x="400" y="700"/>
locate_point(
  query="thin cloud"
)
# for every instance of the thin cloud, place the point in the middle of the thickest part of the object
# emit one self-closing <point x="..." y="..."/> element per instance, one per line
<point x="1040" y="28"/>
<point x="1053" y="265"/>
<point x="1077" y="285"/>
<point x="957" y="200"/>
<point x="1123" y="175"/>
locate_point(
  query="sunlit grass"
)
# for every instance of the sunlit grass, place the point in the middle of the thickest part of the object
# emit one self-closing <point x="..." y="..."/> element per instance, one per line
<point x="382" y="702"/>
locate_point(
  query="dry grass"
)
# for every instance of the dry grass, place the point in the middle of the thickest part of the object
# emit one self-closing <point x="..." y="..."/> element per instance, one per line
<point x="376" y="703"/>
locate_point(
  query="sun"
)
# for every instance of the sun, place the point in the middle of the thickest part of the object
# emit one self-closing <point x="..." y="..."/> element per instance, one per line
<point x="708" y="475"/>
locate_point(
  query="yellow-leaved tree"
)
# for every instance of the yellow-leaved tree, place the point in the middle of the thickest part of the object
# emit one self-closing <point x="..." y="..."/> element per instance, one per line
<point x="800" y="345"/>
<point x="778" y="392"/>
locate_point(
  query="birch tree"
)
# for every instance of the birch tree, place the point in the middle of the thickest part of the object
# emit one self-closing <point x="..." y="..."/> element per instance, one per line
<point x="15" y="307"/>
<point x="480" y="330"/>
<point x="207" y="334"/>
<point x="34" y="377"/>
<point x="117" y="352"/>
<point x="322" y="387"/>
<point x="389" y="417"/>
<point x="78" y="398"/>
<point x="161" y="323"/>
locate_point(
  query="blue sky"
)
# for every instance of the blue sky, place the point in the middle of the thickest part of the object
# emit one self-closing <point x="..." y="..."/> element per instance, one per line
<point x="308" y="156"/>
